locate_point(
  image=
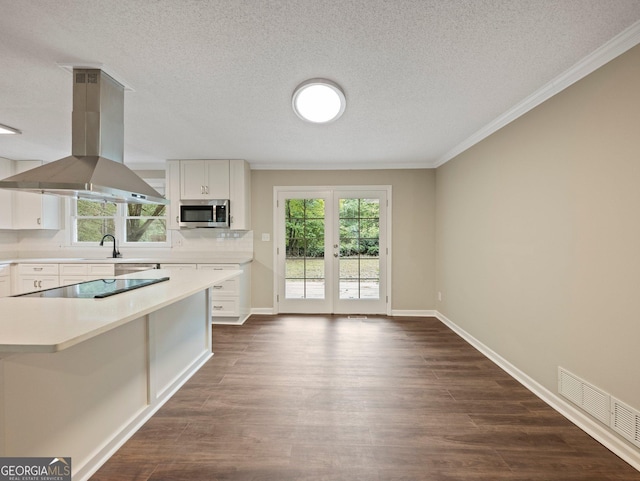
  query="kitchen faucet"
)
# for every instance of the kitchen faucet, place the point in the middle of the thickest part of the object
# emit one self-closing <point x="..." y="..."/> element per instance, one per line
<point x="116" y="252"/>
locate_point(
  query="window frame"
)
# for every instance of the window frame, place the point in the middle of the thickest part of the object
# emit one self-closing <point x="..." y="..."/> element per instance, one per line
<point x="120" y="224"/>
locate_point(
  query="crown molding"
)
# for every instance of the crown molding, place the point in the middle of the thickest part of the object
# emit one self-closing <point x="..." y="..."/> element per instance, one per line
<point x="619" y="44"/>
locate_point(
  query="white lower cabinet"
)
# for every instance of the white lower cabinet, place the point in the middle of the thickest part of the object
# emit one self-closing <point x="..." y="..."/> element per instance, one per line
<point x="76" y="273"/>
<point x="230" y="300"/>
<point x="5" y="280"/>
<point x="179" y="267"/>
<point x="36" y="277"/>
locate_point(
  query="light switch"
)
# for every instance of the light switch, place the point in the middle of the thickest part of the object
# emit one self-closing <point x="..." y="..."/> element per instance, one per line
<point x="266" y="237"/>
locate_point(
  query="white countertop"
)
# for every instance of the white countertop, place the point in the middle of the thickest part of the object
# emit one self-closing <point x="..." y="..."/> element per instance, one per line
<point x="200" y="259"/>
<point x="33" y="324"/>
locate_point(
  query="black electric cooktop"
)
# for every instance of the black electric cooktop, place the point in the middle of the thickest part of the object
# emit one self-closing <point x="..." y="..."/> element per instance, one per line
<point x="95" y="289"/>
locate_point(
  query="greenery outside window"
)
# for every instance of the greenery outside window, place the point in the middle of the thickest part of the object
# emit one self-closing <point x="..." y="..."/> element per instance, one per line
<point x="131" y="224"/>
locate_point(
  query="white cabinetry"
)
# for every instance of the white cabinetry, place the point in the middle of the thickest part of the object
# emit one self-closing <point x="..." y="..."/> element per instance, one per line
<point x="5" y="280"/>
<point x="35" y="211"/>
<point x="6" y="196"/>
<point x="36" y="277"/>
<point x="172" y="193"/>
<point x="179" y="267"/>
<point x="240" y="194"/>
<point x="204" y="179"/>
<point x="75" y="273"/>
<point x="230" y="300"/>
<point x="207" y="180"/>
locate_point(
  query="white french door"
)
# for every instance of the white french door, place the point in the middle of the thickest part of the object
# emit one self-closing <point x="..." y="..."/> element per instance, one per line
<point x="332" y="250"/>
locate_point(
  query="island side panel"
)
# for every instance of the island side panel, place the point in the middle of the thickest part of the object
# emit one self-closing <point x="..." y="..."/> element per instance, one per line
<point x="180" y="341"/>
<point x="76" y="400"/>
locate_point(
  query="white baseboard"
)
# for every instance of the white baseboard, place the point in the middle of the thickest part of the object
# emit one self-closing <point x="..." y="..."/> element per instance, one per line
<point x="589" y="425"/>
<point x="229" y="321"/>
<point x="269" y="311"/>
<point x="410" y="313"/>
<point x="262" y="311"/>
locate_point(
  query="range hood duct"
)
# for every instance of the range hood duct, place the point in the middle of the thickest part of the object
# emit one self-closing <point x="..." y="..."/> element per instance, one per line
<point x="95" y="168"/>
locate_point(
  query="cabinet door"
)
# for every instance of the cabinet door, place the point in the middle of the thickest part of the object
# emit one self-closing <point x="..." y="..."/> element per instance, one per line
<point x="217" y="179"/>
<point x="172" y="191"/>
<point x="204" y="179"/>
<point x="5" y="286"/>
<point x="193" y="179"/>
<point x="240" y="194"/>
<point x="35" y="211"/>
<point x="69" y="280"/>
<point x="36" y="283"/>
<point x="6" y="196"/>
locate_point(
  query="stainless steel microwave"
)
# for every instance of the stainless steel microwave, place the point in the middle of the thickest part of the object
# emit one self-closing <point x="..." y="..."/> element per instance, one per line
<point x="204" y="213"/>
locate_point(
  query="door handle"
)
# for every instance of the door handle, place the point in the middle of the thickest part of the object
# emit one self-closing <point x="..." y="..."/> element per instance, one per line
<point x="335" y="255"/>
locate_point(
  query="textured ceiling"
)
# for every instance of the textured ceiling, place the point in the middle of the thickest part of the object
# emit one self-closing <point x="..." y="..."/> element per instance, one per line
<point x="214" y="79"/>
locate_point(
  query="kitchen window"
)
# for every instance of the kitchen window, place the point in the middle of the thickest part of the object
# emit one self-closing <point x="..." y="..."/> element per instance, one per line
<point x="131" y="224"/>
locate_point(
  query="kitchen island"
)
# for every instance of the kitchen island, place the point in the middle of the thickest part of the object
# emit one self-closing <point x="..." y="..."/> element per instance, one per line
<point x="79" y="376"/>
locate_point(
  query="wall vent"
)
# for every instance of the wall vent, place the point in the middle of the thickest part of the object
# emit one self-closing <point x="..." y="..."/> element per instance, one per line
<point x="593" y="400"/>
<point x="626" y="421"/>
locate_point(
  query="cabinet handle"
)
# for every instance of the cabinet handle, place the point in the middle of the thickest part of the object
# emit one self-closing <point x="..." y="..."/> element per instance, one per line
<point x="202" y="189"/>
<point x="177" y="220"/>
<point x="206" y="189"/>
<point x="37" y="268"/>
<point x="217" y="308"/>
<point x="217" y="287"/>
<point x="218" y="268"/>
<point x="38" y="220"/>
<point x="39" y="283"/>
<point x="35" y="283"/>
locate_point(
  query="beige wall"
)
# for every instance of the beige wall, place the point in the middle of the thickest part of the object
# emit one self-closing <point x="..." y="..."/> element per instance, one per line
<point x="413" y="238"/>
<point x="538" y="235"/>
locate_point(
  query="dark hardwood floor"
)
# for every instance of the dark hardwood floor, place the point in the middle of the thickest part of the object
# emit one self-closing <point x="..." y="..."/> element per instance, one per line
<point x="311" y="398"/>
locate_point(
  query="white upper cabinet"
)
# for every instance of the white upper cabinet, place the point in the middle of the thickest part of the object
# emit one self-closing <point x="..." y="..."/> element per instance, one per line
<point x="35" y="211"/>
<point x="172" y="192"/>
<point x="204" y="179"/>
<point x="6" y="196"/>
<point x="208" y="180"/>
<point x="26" y="210"/>
<point x="240" y="194"/>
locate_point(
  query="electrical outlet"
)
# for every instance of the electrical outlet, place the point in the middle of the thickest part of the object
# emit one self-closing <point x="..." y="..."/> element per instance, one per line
<point x="439" y="295"/>
<point x="266" y="237"/>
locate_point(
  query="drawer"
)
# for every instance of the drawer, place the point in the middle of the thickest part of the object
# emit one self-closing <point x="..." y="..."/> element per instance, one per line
<point x="226" y="288"/>
<point x="219" y="267"/>
<point x="179" y="267"/>
<point x="225" y="308"/>
<point x="38" y="269"/>
<point x="73" y="269"/>
<point x="97" y="270"/>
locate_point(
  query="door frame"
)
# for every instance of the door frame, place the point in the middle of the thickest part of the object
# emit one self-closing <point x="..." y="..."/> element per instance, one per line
<point x="332" y="188"/>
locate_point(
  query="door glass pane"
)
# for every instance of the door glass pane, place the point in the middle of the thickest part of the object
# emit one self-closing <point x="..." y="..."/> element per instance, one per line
<point x="359" y="225"/>
<point x="304" y="246"/>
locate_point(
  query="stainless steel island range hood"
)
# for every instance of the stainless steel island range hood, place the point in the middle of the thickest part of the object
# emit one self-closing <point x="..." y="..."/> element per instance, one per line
<point x="95" y="169"/>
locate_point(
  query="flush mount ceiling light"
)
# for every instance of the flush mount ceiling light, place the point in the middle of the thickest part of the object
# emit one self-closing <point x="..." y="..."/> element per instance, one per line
<point x="319" y="101"/>
<point x="4" y="129"/>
